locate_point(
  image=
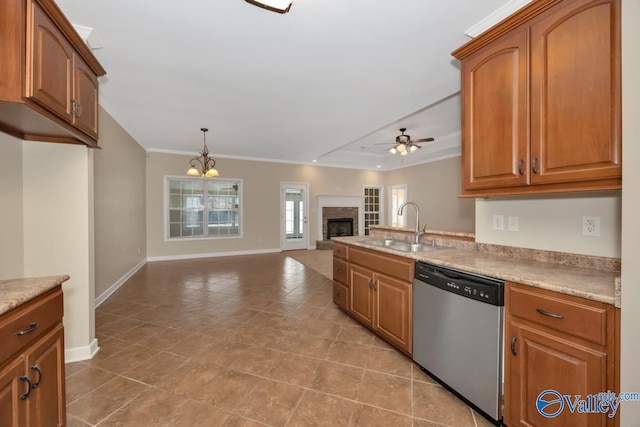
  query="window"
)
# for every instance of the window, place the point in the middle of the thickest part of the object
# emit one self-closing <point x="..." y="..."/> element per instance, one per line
<point x="203" y="208"/>
<point x="398" y="194"/>
<point x="372" y="206"/>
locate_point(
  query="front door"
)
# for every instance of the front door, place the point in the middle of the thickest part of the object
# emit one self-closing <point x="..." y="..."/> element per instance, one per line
<point x="294" y="210"/>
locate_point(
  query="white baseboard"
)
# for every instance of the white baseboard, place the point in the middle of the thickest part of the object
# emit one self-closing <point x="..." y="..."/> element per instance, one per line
<point x="211" y="255"/>
<point x="78" y="354"/>
<point x="106" y="294"/>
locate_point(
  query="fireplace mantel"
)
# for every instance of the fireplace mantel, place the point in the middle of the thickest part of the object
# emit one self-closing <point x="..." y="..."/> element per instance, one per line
<point x="338" y="201"/>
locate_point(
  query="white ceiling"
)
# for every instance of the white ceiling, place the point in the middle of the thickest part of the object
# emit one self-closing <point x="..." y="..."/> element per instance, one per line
<point x="327" y="81"/>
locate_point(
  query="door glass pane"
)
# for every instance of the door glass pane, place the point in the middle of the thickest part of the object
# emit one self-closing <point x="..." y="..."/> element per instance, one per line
<point x="294" y="214"/>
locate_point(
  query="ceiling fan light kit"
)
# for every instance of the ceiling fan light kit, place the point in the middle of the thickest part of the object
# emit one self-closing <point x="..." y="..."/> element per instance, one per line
<point x="207" y="163"/>
<point x="404" y="145"/>
<point x="279" y="6"/>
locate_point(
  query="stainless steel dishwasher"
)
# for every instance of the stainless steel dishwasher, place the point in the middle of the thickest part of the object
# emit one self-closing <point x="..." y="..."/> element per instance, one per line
<point x="457" y="334"/>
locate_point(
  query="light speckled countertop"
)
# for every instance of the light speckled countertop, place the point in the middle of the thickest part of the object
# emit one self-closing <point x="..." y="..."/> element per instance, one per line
<point x="14" y="292"/>
<point x="593" y="284"/>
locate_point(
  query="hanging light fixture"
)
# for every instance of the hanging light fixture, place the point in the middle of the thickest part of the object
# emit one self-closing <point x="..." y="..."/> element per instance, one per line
<point x="280" y="6"/>
<point x="207" y="163"/>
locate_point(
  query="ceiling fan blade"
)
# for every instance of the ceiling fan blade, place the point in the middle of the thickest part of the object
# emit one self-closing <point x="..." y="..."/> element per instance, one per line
<point x="424" y="140"/>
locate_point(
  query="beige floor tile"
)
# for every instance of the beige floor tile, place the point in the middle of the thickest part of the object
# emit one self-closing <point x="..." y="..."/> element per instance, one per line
<point x="389" y="361"/>
<point x="170" y="333"/>
<point x="106" y="399"/>
<point x="434" y="403"/>
<point x="311" y="346"/>
<point x="320" y="409"/>
<point x="189" y="378"/>
<point x="156" y="368"/>
<point x="150" y="408"/>
<point x="368" y="416"/>
<point x="189" y="413"/>
<point x="348" y="353"/>
<point x="126" y="359"/>
<point x="356" y="334"/>
<point x="295" y="369"/>
<point x="86" y="381"/>
<point x="227" y="389"/>
<point x="385" y="391"/>
<point x="270" y="402"/>
<point x="340" y="380"/>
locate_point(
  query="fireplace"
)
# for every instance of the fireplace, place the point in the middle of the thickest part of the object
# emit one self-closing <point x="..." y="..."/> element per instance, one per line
<point x="337" y="227"/>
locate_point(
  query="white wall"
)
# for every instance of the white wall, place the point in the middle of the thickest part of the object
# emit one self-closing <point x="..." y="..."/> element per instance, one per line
<point x="630" y="369"/>
<point x="58" y="230"/>
<point x="11" y="225"/>
<point x="553" y="222"/>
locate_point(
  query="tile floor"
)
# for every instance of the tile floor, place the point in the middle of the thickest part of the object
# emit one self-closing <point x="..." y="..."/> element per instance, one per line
<point x="245" y="341"/>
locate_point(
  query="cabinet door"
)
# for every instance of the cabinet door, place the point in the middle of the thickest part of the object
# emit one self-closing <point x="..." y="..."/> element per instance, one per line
<point x="494" y="97"/>
<point x="394" y="312"/>
<point x="85" y="94"/>
<point x="575" y="93"/>
<point x="45" y="366"/>
<point x="547" y="362"/>
<point x="361" y="294"/>
<point x="12" y="408"/>
<point x="51" y="59"/>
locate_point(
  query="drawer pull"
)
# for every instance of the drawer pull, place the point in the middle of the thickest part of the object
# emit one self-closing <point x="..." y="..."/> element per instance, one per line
<point x="546" y="313"/>
<point x="513" y="345"/>
<point x="28" y="380"/>
<point x="32" y="327"/>
<point x="39" y="371"/>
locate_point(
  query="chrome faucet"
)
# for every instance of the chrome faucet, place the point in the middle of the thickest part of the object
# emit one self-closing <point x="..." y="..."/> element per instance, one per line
<point x="417" y="232"/>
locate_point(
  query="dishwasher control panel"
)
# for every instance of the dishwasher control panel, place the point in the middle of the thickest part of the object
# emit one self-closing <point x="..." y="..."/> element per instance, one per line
<point x="477" y="287"/>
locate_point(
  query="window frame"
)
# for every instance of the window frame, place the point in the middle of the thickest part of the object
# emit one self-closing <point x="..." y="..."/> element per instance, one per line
<point x="166" y="221"/>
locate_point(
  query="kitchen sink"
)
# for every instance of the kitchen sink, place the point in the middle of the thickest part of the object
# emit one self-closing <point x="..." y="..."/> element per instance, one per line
<point x="402" y="246"/>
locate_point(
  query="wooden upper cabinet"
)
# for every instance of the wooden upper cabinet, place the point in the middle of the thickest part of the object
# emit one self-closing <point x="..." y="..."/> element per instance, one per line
<point x="49" y="76"/>
<point x="85" y="98"/>
<point x="575" y="93"/>
<point x="51" y="82"/>
<point x="541" y="101"/>
<point x="495" y="121"/>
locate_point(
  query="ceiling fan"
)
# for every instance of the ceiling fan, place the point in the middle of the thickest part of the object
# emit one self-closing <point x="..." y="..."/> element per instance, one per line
<point x="404" y="145"/>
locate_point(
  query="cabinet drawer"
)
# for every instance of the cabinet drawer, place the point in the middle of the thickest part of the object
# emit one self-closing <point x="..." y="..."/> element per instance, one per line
<point x="341" y="251"/>
<point x="23" y="325"/>
<point x="340" y="295"/>
<point x="340" y="270"/>
<point x="400" y="268"/>
<point x="561" y="312"/>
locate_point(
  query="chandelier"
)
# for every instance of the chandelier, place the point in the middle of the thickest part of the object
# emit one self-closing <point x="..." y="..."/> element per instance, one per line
<point x="207" y="164"/>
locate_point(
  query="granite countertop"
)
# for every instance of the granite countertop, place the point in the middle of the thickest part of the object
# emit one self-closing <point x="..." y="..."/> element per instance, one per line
<point x="593" y="284"/>
<point x="14" y="292"/>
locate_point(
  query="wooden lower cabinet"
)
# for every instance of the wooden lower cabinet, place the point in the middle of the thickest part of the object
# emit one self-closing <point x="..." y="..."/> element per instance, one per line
<point x="32" y="379"/>
<point x="551" y="349"/>
<point x="380" y="301"/>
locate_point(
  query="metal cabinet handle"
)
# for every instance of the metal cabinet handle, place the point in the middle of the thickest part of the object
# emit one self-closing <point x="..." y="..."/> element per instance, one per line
<point x="513" y="345"/>
<point x="338" y="270"/>
<point x="28" y="381"/>
<point x="521" y="166"/>
<point x="39" y="371"/>
<point x="546" y="313"/>
<point x="74" y="107"/>
<point x="370" y="283"/>
<point x="79" y="111"/>
<point x="375" y="285"/>
<point x="32" y="327"/>
<point x="534" y="165"/>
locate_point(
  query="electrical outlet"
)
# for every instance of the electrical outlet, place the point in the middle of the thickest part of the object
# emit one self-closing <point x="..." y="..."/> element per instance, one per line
<point x="498" y="222"/>
<point x="512" y="223"/>
<point x="591" y="226"/>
